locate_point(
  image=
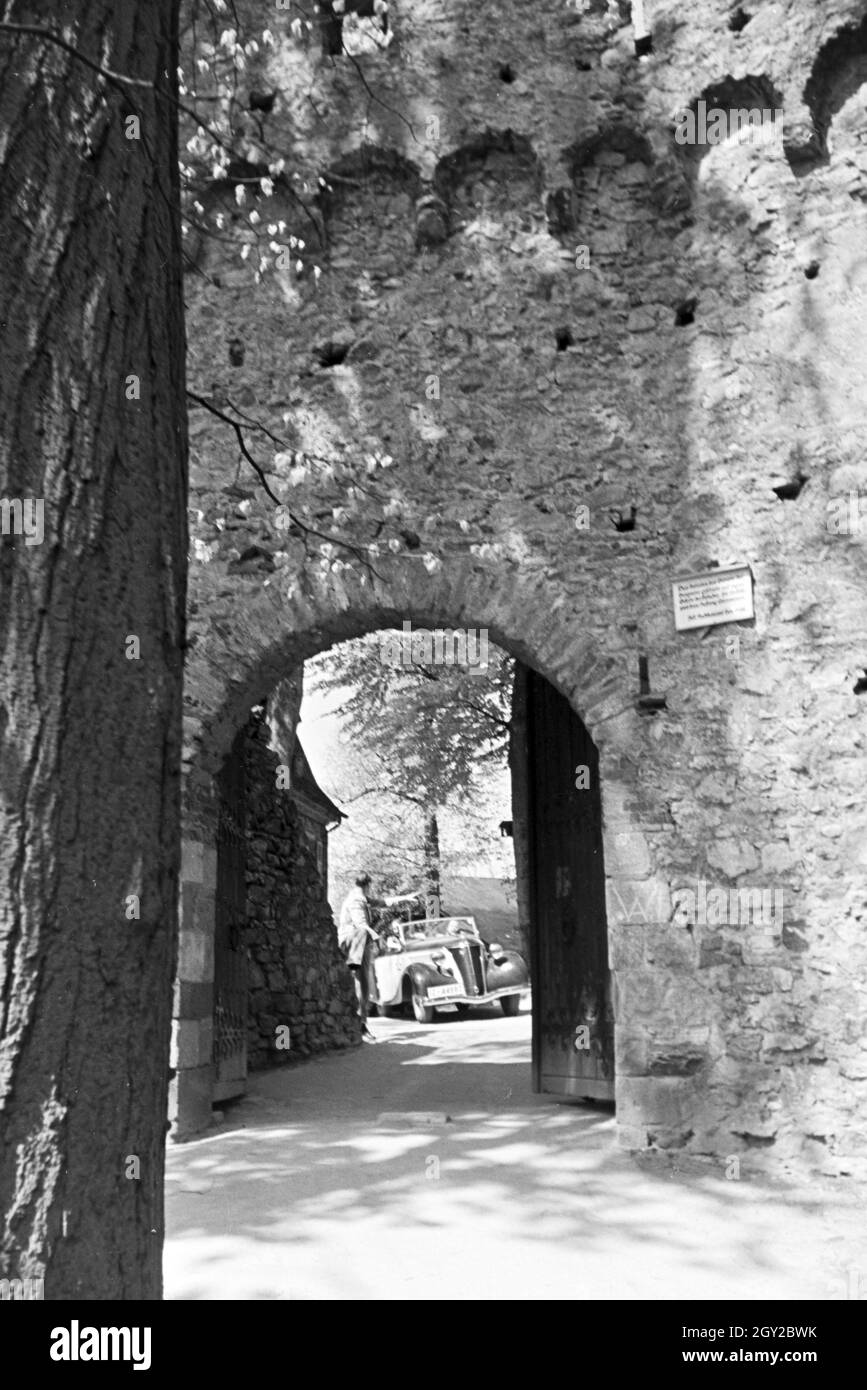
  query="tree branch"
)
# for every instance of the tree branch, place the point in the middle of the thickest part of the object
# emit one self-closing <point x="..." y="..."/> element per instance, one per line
<point x="378" y="100"/>
<point x="260" y="473"/>
<point x="487" y="714"/>
<point x="384" y="791"/>
<point x="119" y="78"/>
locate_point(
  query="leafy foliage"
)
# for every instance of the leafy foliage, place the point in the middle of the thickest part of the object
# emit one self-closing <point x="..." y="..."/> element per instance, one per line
<point x="432" y="728"/>
<point x="425" y="741"/>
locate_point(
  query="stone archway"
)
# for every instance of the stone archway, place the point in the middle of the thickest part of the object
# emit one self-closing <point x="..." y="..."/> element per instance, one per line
<point x="269" y="634"/>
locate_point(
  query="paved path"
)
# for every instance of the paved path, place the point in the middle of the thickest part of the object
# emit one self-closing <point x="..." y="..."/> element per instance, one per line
<point x="423" y="1168"/>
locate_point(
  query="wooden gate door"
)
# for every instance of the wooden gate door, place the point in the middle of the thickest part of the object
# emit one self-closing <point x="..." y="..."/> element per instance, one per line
<point x="230" y="956"/>
<point x="573" y="1020"/>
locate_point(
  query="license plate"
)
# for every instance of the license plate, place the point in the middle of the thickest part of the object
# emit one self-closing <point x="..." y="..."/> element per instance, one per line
<point x="444" y="991"/>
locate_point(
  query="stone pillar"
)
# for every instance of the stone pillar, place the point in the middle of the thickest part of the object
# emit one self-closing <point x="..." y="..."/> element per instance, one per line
<point x="664" y="1034"/>
<point x="190" y="1093"/>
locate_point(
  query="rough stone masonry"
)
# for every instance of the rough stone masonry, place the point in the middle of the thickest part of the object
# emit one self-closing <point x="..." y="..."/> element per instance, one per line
<point x="522" y="313"/>
<point x="298" y="980"/>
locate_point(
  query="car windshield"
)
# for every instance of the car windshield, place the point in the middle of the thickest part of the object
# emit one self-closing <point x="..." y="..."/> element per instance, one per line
<point x="435" y="928"/>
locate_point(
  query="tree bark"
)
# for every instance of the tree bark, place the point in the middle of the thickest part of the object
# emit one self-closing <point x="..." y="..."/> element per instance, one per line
<point x="520" y="770"/>
<point x="90" y="296"/>
<point x="432" y="865"/>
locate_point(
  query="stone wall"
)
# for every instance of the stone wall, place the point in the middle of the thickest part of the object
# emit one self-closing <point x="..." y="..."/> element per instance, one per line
<point x="522" y="298"/>
<point x="296" y="975"/>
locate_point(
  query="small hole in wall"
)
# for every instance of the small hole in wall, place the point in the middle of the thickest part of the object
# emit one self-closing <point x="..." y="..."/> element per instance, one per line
<point x="262" y="101"/>
<point x="236" y="352"/>
<point x="684" y="314"/>
<point x="621" y="522"/>
<point x="331" y="354"/>
<point x="789" y="492"/>
<point x="860" y="686"/>
<point x="811" y="270"/>
<point x="739" y="20"/>
<point x="563" y="339"/>
<point x="644" y="46"/>
<point x="507" y="73"/>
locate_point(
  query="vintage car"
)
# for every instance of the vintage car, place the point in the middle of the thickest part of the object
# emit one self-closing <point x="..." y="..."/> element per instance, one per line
<point x="442" y="963"/>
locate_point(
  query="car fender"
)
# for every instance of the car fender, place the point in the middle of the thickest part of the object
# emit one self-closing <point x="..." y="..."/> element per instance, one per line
<point x="509" y="969"/>
<point x="419" y="975"/>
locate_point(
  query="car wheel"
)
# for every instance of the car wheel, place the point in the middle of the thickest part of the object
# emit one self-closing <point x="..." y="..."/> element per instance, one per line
<point x="510" y="1004"/>
<point x="422" y="1012"/>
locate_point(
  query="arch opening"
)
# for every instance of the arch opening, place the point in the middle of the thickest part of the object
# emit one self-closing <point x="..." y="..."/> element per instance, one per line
<point x="556" y="820"/>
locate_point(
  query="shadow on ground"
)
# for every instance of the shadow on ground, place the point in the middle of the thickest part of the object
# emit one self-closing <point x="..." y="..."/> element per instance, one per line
<point x="424" y="1168"/>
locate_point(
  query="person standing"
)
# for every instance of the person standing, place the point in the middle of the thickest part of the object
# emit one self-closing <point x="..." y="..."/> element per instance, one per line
<point x="356" y="938"/>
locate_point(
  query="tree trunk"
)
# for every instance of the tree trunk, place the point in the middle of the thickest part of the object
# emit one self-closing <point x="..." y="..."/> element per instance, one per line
<point x="520" y="769"/>
<point x="433" y="905"/>
<point x="90" y="298"/>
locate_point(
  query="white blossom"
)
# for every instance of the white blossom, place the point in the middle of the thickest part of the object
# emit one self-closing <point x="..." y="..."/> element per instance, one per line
<point x="202" y="551"/>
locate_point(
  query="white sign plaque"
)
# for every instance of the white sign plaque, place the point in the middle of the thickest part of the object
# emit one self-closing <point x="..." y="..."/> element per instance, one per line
<point x="714" y="596"/>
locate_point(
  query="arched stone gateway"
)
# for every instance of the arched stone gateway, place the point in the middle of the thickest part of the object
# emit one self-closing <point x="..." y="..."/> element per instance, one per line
<point x="681" y="1075"/>
<point x="536" y="359"/>
<point x="265" y="632"/>
<point x="277" y="633"/>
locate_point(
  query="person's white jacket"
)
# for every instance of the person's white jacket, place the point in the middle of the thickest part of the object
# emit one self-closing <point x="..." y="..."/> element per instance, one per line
<point x="355" y="928"/>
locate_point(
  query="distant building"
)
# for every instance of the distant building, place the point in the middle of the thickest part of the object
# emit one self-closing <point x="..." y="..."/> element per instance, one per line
<point x="317" y="813"/>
